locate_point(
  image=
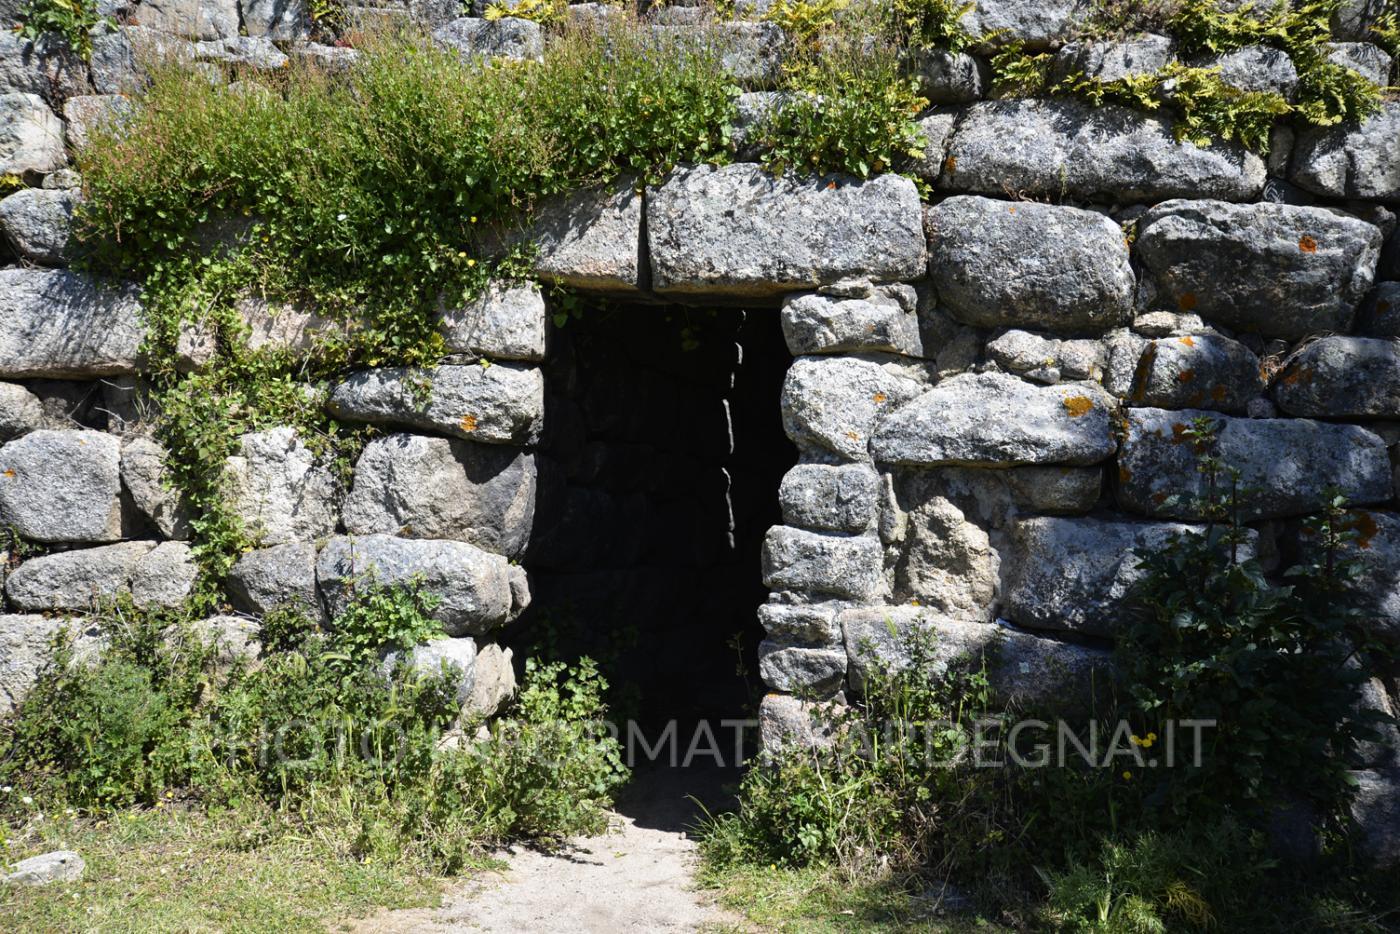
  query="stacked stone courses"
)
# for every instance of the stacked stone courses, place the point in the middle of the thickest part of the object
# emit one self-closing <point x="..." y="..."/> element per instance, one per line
<point x="988" y="386"/>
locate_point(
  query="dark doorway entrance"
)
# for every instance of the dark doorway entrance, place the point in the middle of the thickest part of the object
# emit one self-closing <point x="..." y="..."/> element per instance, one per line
<point x="659" y="470"/>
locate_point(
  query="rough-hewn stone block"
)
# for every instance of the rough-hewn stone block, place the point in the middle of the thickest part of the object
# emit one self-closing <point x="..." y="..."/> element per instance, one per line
<point x="738" y="231"/>
<point x="1067" y="148"/>
<point x="1342" y="377"/>
<point x="62" y="486"/>
<point x="848" y="566"/>
<point x="60" y="324"/>
<point x="1275" y="269"/>
<point x="1023" y="264"/>
<point x="996" y="420"/>
<point x="1285" y="464"/>
<point x="498" y="404"/>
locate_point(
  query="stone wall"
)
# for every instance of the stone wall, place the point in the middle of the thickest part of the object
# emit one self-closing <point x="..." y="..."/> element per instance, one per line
<point x="986" y="388"/>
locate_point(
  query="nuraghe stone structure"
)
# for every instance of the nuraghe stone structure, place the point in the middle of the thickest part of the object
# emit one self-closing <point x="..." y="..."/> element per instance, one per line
<point x="985" y="389"/>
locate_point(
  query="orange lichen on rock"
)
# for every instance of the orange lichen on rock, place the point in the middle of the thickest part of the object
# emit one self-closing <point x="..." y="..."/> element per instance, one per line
<point x="1187" y="301"/>
<point x="468" y="423"/>
<point x="879" y="397"/>
<point x="1307" y="245"/>
<point x="1078" y="405"/>
<point x="1188" y="340"/>
<point x="1185" y="376"/>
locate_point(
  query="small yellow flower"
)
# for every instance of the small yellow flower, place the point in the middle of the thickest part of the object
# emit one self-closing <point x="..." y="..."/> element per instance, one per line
<point x="471" y="262"/>
<point x="1127" y="776"/>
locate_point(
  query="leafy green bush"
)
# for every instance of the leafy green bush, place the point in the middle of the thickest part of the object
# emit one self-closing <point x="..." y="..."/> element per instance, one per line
<point x="72" y="21"/>
<point x="850" y="109"/>
<point x="318" y="728"/>
<point x="1274" y="665"/>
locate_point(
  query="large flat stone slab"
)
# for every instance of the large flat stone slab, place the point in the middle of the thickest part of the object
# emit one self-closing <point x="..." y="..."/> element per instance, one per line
<point x="1286" y="464"/>
<point x="59" y="324"/>
<point x="498" y="404"/>
<point x="997" y="420"/>
<point x="1274" y="269"/>
<point x="1061" y="147"/>
<point x="738" y="231"/>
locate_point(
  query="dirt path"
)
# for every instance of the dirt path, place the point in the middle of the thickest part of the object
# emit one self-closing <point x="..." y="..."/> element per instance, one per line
<point x="636" y="877"/>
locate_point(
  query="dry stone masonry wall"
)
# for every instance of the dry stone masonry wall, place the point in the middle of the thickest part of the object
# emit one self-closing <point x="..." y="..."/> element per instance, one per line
<point x="987" y="388"/>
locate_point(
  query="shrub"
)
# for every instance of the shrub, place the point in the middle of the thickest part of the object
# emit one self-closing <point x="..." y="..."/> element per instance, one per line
<point x="318" y="729"/>
<point x="72" y="21"/>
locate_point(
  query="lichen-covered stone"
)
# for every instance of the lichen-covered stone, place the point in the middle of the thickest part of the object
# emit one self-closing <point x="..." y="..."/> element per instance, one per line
<point x="947" y="563"/>
<point x="737" y="231"/>
<point x="1371" y="61"/>
<point x="1351" y="161"/>
<point x="247" y="52"/>
<point x="751" y="53"/>
<point x="1380" y="314"/>
<point x="1047" y="360"/>
<point x="1112" y="60"/>
<point x="996" y="420"/>
<point x="31" y="136"/>
<point x="1374" y="546"/>
<point x="834" y="498"/>
<point x="848" y="566"/>
<point x="1255" y="68"/>
<point x="937" y="131"/>
<point x="77" y="580"/>
<point x="1342" y="377"/>
<point x="1206" y="371"/>
<point x="421" y="487"/>
<point x="1071" y="266"/>
<point x="46" y="869"/>
<point x="38" y="224"/>
<point x="279" y="20"/>
<point x="281" y="576"/>
<point x="498" y="404"/>
<point x="1024" y="669"/>
<point x="1275" y="269"/>
<point x="164" y="576"/>
<point x="790" y="723"/>
<point x="1061" y="147"/>
<point x="993" y="497"/>
<point x="951" y="77"/>
<point x="493" y="681"/>
<point x="120" y="57"/>
<point x="49" y="69"/>
<point x="1286" y="465"/>
<point x="62" y="486"/>
<point x="146" y="477"/>
<point x="808" y="670"/>
<point x="1075" y="573"/>
<point x="881" y="321"/>
<point x="279" y="490"/>
<point x="586" y="239"/>
<point x="451" y="658"/>
<point x="25" y="648"/>
<point x="1376" y="810"/>
<point x="505" y="322"/>
<point x="474" y="587"/>
<point x="507" y="37"/>
<point x="812" y="623"/>
<point x="20" y="411"/>
<point x="87" y="114"/>
<point x="59" y="324"/>
<point x="191" y="19"/>
<point x="1035" y="24"/>
<point x="835" y="403"/>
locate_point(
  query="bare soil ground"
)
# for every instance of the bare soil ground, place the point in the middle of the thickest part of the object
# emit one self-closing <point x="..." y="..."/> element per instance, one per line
<point x="639" y="876"/>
